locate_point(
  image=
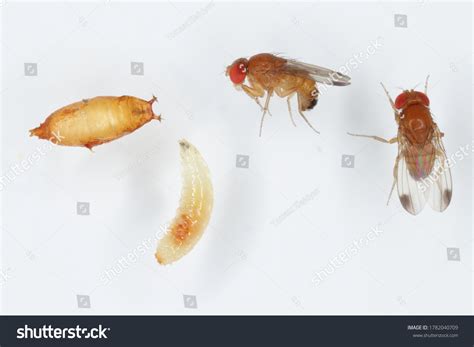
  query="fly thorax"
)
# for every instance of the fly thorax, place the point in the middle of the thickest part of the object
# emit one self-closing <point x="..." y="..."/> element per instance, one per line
<point x="416" y="125"/>
<point x="416" y="130"/>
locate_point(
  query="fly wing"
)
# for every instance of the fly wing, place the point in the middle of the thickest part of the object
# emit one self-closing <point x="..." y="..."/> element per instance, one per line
<point x="423" y="178"/>
<point x="440" y="180"/>
<point x="320" y="74"/>
<point x="413" y="196"/>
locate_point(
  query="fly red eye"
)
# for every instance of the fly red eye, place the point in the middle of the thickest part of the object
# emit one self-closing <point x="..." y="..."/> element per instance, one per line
<point x="424" y="99"/>
<point x="401" y="100"/>
<point x="237" y="73"/>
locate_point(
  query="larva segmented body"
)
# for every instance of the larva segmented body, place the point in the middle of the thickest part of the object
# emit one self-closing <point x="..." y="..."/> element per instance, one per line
<point x="194" y="209"/>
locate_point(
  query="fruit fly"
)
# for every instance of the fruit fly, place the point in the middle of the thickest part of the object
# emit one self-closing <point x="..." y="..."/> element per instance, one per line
<point x="421" y="170"/>
<point x="285" y="77"/>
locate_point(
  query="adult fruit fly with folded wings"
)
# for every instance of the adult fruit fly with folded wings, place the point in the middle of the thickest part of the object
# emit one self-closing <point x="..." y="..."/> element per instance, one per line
<point x="421" y="171"/>
<point x="285" y="77"/>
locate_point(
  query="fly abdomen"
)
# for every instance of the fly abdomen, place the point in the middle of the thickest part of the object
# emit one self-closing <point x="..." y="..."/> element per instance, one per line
<point x="308" y="94"/>
<point x="313" y="103"/>
<point x="420" y="161"/>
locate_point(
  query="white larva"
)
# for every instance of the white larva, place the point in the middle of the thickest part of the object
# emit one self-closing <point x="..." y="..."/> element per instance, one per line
<point x="194" y="209"/>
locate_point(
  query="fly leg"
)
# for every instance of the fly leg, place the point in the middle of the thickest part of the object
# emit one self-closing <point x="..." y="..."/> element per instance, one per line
<point x="377" y="138"/>
<point x="255" y="91"/>
<point x="426" y="84"/>
<point x="289" y="94"/>
<point x="395" y="170"/>
<point x="438" y="132"/>
<point x="265" y="109"/>
<point x="289" y="108"/>
<point x="300" y="110"/>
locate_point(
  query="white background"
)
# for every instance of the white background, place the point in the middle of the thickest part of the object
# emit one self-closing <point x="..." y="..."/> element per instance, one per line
<point x="246" y="263"/>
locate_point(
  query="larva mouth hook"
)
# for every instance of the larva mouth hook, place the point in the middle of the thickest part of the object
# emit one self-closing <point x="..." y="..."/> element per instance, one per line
<point x="183" y="143"/>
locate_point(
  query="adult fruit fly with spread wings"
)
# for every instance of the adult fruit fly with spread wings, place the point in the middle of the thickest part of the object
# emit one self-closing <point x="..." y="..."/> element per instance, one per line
<point x="285" y="77"/>
<point x="421" y="170"/>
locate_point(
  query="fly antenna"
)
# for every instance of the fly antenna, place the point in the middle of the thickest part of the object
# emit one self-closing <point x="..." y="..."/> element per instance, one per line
<point x="416" y="86"/>
<point x="389" y="97"/>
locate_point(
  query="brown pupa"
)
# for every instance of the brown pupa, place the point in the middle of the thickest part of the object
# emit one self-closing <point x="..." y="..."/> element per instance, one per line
<point x="92" y="122"/>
